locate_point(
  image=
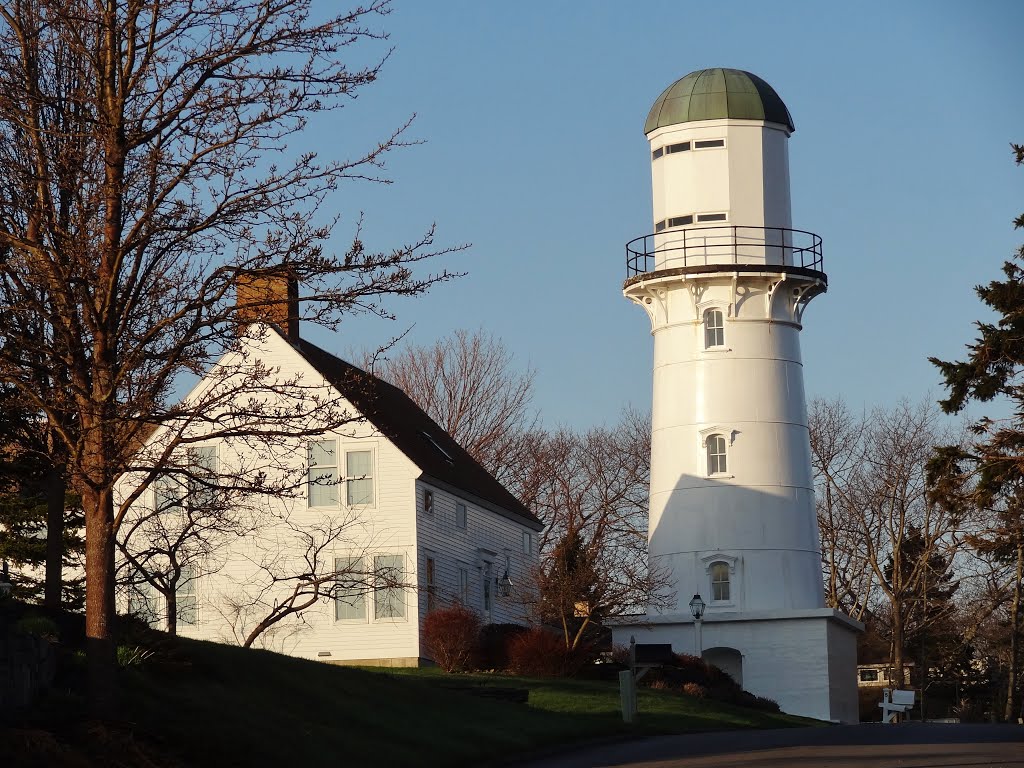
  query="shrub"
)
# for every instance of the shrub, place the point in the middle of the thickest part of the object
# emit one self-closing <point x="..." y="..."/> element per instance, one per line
<point x="494" y="644"/>
<point x="133" y="656"/>
<point x="694" y="690"/>
<point x="539" y="653"/>
<point x="450" y="636"/>
<point x="40" y="626"/>
<point x="766" y="704"/>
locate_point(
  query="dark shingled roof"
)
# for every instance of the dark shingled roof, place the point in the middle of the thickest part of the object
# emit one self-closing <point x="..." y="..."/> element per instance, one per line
<point x="442" y="461"/>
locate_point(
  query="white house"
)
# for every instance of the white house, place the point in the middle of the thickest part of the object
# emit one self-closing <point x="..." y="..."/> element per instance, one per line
<point x="725" y="280"/>
<point x="389" y="493"/>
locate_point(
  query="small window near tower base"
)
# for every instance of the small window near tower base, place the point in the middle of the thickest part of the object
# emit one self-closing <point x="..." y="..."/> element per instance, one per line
<point x="709" y="143"/>
<point x="711" y="217"/>
<point x="673" y="148"/>
<point x="720" y="582"/>
<point x="657" y="153"/>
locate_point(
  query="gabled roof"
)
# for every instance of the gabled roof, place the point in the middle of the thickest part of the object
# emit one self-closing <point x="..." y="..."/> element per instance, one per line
<point x="442" y="460"/>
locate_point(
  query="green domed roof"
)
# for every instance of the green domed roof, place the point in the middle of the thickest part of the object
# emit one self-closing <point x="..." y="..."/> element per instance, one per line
<point x="713" y="94"/>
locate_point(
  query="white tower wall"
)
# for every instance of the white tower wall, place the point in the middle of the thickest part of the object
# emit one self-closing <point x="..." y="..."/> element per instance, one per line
<point x="732" y="512"/>
<point x="746" y="180"/>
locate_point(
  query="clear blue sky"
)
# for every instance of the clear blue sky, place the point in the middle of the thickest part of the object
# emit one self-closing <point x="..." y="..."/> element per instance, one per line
<point x="532" y="114"/>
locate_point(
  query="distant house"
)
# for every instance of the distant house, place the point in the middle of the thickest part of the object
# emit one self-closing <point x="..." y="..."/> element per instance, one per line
<point x="878" y="675"/>
<point x="412" y="502"/>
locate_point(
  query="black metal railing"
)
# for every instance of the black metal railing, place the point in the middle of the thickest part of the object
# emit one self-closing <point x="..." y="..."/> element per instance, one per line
<point x="703" y="246"/>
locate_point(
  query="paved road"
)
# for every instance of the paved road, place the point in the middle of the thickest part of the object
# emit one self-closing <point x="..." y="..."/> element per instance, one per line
<point x="909" y="745"/>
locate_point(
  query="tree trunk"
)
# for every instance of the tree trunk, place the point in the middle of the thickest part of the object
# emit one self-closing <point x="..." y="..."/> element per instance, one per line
<point x="55" y="495"/>
<point x="1014" y="671"/>
<point x="898" y="673"/>
<point x="171" y="601"/>
<point x="101" y="655"/>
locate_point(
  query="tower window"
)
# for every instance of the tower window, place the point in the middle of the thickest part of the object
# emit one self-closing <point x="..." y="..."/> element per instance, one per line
<point x="716" y="455"/>
<point x="711" y="217"/>
<point x="673" y="148"/>
<point x="680" y="221"/>
<point x="659" y="226"/>
<point x="709" y="143"/>
<point x="720" y="582"/>
<point x="657" y="153"/>
<point x="714" y="329"/>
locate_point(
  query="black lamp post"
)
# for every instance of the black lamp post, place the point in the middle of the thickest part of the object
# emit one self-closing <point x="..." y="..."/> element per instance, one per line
<point x="697" y="607"/>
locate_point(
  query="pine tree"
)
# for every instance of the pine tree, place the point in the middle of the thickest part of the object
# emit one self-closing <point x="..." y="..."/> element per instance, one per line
<point x="989" y="474"/>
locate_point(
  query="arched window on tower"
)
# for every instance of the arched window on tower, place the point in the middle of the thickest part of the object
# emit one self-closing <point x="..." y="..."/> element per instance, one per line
<point x="720" y="582"/>
<point x="714" y="329"/>
<point x="716" y="455"/>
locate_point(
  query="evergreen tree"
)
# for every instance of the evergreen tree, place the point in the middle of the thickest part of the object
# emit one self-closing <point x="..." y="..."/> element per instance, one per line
<point x="988" y="474"/>
<point x="26" y="477"/>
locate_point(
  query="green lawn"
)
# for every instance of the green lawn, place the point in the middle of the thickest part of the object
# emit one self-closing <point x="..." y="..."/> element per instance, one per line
<point x="217" y="705"/>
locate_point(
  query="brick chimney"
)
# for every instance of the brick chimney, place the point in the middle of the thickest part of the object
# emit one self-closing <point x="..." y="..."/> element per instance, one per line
<point x="272" y="296"/>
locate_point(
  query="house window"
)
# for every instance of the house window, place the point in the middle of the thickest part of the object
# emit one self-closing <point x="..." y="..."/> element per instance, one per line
<point x="716" y="455"/>
<point x="388" y="593"/>
<point x="203" y="467"/>
<point x="185" y="596"/>
<point x="869" y="675"/>
<point x="350" y="592"/>
<point x="358" y="478"/>
<point x="720" y="582"/>
<point x="527" y="543"/>
<point x="460" y="515"/>
<point x="430" y="569"/>
<point x="714" y="329"/>
<point x="708" y="143"/>
<point x="143" y="601"/>
<point x="323" y="474"/>
<point x="428" y="502"/>
<point x="464" y="585"/>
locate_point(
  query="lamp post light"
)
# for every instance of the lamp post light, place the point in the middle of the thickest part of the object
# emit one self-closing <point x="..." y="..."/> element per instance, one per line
<point x="697" y="607"/>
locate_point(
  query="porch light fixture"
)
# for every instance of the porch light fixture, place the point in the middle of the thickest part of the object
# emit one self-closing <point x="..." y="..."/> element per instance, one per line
<point x="504" y="582"/>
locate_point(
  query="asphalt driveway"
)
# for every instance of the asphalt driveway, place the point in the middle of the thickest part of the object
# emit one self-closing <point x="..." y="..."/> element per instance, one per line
<point x="908" y="745"/>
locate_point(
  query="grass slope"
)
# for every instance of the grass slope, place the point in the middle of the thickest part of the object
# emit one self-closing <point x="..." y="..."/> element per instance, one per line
<point x="217" y="705"/>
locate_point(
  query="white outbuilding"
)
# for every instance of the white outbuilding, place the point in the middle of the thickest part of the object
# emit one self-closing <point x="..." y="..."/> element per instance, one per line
<point x="725" y="280"/>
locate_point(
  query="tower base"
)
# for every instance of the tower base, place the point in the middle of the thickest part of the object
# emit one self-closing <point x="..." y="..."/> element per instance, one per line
<point x="806" y="660"/>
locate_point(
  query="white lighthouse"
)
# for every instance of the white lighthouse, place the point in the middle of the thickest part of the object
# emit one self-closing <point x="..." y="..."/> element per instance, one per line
<point x="725" y="280"/>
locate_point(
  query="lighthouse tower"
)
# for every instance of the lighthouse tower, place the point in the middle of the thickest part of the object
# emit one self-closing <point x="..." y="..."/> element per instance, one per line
<point x="725" y="280"/>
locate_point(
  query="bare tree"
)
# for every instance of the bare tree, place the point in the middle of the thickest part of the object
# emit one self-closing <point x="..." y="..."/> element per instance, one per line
<point x="468" y="384"/>
<point x="591" y="490"/>
<point x="137" y="139"/>
<point x="837" y="445"/>
<point x="879" y="515"/>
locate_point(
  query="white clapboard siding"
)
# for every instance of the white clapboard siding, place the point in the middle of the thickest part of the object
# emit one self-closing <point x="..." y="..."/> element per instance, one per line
<point x="394" y="524"/>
